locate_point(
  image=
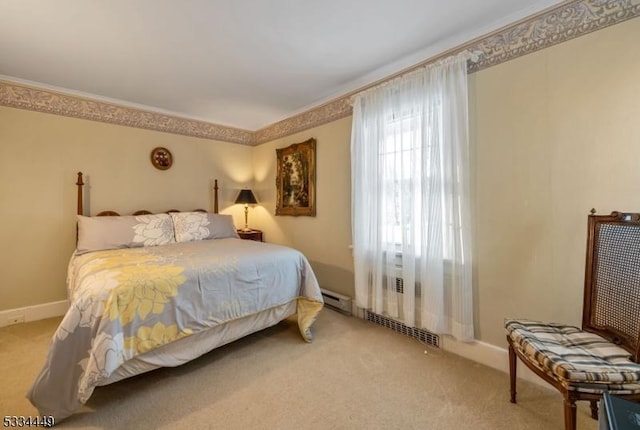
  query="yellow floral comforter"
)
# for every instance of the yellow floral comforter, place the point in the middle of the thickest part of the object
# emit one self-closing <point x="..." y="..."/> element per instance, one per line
<point x="126" y="302"/>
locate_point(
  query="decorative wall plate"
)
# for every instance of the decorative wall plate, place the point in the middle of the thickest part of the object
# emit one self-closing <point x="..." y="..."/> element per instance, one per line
<point x="161" y="158"/>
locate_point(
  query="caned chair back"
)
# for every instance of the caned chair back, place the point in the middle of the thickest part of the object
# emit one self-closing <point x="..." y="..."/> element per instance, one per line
<point x="612" y="280"/>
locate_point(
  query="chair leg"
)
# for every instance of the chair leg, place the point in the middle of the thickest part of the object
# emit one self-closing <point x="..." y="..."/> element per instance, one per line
<point x="594" y="409"/>
<point x="569" y="411"/>
<point x="512" y="371"/>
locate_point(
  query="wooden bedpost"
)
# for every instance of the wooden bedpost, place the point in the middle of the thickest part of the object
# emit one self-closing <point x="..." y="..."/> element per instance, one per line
<point x="215" y="196"/>
<point x="79" y="183"/>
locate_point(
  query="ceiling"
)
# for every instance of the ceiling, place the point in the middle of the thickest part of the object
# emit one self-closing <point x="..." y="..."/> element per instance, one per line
<point x="242" y="63"/>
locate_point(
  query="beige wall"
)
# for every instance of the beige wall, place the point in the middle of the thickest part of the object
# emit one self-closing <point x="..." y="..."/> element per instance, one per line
<point x="325" y="238"/>
<point x="39" y="157"/>
<point x="553" y="134"/>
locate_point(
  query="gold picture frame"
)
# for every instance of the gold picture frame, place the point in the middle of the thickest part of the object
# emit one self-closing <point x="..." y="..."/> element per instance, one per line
<point x="296" y="179"/>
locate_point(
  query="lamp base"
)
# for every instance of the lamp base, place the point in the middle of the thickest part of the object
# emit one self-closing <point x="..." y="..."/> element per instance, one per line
<point x="246" y="229"/>
<point x="246" y="219"/>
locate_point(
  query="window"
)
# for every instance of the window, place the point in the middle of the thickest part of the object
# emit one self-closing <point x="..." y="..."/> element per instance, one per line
<point x="400" y="156"/>
<point x="410" y="197"/>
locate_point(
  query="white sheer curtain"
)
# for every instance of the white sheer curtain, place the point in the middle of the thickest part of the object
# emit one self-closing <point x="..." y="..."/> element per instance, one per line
<point x="410" y="199"/>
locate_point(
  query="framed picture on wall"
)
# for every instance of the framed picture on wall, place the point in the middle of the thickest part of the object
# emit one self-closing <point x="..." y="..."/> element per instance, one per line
<point x="296" y="179"/>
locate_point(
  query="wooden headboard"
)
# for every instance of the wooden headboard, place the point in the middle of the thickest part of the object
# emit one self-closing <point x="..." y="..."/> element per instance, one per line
<point x="80" y="184"/>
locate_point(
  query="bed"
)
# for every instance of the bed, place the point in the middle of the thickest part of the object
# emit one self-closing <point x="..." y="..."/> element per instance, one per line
<point x="157" y="290"/>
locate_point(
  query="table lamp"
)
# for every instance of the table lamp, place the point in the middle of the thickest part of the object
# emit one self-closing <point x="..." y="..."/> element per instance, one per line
<point x="246" y="197"/>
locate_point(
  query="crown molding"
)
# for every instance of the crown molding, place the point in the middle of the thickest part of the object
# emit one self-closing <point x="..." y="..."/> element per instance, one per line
<point x="558" y="24"/>
<point x="547" y="28"/>
<point x="47" y="101"/>
<point x="328" y="112"/>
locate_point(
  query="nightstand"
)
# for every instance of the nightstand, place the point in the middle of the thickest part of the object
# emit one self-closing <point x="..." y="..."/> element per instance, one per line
<point x="251" y="235"/>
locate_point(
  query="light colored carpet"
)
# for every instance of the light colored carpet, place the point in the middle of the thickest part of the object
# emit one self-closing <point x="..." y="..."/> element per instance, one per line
<point x="355" y="375"/>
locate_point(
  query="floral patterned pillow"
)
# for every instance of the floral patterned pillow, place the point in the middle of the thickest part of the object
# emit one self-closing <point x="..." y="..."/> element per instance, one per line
<point x="113" y="232"/>
<point x="189" y="226"/>
<point x="153" y="230"/>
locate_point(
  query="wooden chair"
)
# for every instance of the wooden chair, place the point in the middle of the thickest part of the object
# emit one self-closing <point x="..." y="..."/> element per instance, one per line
<point x="602" y="356"/>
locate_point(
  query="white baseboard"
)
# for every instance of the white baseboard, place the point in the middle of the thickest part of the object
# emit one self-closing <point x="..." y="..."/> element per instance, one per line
<point x="33" y="313"/>
<point x="489" y="355"/>
<point x="480" y="352"/>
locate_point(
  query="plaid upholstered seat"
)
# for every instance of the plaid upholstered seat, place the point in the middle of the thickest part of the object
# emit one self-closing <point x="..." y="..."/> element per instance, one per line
<point x="604" y="354"/>
<point x="587" y="361"/>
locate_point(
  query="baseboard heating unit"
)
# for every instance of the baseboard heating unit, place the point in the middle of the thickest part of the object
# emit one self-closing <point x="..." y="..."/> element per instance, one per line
<point x="336" y="301"/>
<point x="416" y="333"/>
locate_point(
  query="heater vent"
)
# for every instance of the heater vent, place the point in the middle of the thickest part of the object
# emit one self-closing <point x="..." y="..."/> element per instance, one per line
<point x="400" y="285"/>
<point x="416" y="333"/>
<point x="336" y="301"/>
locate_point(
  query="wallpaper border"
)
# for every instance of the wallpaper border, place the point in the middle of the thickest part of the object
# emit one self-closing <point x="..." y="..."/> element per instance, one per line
<point x="558" y="24"/>
<point x="563" y="22"/>
<point x="40" y="100"/>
